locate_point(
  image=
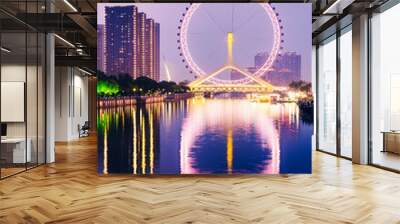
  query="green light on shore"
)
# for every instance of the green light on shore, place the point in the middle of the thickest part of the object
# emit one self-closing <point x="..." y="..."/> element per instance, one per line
<point x="107" y="88"/>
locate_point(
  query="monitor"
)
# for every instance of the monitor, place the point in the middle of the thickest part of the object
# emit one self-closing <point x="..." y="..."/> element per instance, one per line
<point x="3" y="129"/>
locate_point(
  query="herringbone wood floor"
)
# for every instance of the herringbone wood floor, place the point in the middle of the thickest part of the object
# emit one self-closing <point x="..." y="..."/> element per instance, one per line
<point x="70" y="191"/>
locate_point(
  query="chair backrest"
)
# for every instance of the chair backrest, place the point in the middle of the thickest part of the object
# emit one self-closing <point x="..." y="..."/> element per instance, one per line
<point x="86" y="125"/>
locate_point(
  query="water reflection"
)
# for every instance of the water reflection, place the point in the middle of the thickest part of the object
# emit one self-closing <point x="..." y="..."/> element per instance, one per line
<point x="204" y="136"/>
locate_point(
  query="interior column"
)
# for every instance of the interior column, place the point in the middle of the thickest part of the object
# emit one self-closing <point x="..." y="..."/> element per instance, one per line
<point x="360" y="90"/>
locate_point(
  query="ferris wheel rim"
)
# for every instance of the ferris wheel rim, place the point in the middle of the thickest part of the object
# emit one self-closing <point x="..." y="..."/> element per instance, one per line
<point x="184" y="46"/>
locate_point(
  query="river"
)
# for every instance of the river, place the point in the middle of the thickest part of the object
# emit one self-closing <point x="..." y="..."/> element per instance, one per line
<point x="204" y="136"/>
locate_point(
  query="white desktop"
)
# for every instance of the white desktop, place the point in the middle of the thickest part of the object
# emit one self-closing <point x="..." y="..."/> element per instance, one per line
<point x="19" y="155"/>
<point x="18" y="148"/>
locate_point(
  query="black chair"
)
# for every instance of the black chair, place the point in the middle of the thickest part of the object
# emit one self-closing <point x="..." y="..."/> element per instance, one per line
<point x="84" y="130"/>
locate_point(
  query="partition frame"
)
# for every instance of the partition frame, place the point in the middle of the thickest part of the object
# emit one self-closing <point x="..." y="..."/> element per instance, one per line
<point x="43" y="53"/>
<point x="339" y="32"/>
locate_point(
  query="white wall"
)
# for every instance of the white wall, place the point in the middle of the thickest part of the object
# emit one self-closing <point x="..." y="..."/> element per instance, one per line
<point x="16" y="73"/>
<point x="62" y="82"/>
<point x="12" y="73"/>
<point x="71" y="102"/>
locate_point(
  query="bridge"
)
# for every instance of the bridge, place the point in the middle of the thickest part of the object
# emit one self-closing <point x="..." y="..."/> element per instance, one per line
<point x="258" y="85"/>
<point x="206" y="83"/>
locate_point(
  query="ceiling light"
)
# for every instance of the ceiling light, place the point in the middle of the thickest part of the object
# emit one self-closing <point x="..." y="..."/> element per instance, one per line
<point x="334" y="5"/>
<point x="84" y="71"/>
<point x="337" y="7"/>
<point x="5" y="50"/>
<point x="64" y="40"/>
<point x="70" y="5"/>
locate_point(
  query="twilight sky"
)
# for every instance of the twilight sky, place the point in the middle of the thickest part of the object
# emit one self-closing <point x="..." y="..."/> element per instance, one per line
<point x="207" y="34"/>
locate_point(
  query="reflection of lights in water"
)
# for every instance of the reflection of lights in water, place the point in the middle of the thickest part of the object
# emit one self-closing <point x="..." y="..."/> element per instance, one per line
<point x="291" y="114"/>
<point x="191" y="128"/>
<point x="123" y="118"/>
<point x="296" y="115"/>
<point x="229" y="150"/>
<point x="105" y="164"/>
<point x="182" y="106"/>
<point x="116" y="115"/>
<point x="199" y="117"/>
<point x="104" y="123"/>
<point x="167" y="113"/>
<point x="151" y="142"/>
<point x="142" y="121"/>
<point x="207" y="114"/>
<point x="134" y="142"/>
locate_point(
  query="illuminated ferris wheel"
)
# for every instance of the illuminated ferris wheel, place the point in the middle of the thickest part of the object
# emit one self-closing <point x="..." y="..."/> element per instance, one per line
<point x="248" y="77"/>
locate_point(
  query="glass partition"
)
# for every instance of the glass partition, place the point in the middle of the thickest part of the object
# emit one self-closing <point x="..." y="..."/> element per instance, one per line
<point x="22" y="88"/>
<point x="346" y="92"/>
<point x="13" y="94"/>
<point x="327" y="95"/>
<point x="385" y="89"/>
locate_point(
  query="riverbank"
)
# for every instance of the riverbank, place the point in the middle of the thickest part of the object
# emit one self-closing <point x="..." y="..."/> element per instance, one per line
<point x="134" y="100"/>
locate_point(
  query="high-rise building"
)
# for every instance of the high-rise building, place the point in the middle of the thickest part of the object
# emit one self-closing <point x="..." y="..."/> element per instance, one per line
<point x="141" y="43"/>
<point x="292" y="62"/>
<point x="156" y="53"/>
<point x="120" y="36"/>
<point x="100" y="48"/>
<point x="132" y="43"/>
<point x="149" y="48"/>
<point x="260" y="59"/>
<point x="286" y="69"/>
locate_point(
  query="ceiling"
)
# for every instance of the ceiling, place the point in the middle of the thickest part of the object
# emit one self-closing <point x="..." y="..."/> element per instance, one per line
<point x="74" y="21"/>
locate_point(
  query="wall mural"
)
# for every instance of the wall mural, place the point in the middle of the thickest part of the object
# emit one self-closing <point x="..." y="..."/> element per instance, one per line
<point x="205" y="88"/>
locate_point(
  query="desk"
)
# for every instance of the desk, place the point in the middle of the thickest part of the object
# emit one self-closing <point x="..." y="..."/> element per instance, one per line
<point x="391" y="141"/>
<point x="15" y="148"/>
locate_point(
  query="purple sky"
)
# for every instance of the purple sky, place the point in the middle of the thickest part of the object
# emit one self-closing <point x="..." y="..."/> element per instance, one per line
<point x="209" y="25"/>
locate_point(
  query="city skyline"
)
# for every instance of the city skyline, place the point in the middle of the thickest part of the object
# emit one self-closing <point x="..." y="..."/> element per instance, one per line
<point x="169" y="54"/>
<point x="130" y="43"/>
<point x="286" y="69"/>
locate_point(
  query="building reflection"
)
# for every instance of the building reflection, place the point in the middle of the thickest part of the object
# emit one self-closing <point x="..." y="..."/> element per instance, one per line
<point x="130" y="139"/>
<point x="195" y="136"/>
<point x="230" y="120"/>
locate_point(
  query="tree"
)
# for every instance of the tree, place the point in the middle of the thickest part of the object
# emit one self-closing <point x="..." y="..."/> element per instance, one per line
<point x="306" y="87"/>
<point x="166" y="86"/>
<point x="300" y="86"/>
<point x="145" y="85"/>
<point x="107" y="88"/>
<point x="126" y="83"/>
<point x="107" y="85"/>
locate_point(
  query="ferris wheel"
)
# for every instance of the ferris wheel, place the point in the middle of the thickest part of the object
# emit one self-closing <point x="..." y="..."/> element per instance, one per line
<point x="194" y="67"/>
